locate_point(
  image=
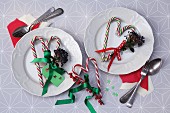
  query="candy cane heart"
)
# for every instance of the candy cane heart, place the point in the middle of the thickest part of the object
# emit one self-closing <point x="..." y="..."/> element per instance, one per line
<point x="119" y="32"/>
<point x="48" y="60"/>
<point x="79" y="80"/>
<point x="84" y="84"/>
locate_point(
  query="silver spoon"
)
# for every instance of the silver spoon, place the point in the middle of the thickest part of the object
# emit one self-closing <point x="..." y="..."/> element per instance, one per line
<point x="154" y="68"/>
<point x="49" y="14"/>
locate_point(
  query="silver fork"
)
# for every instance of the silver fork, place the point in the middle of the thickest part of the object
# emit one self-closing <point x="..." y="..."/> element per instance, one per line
<point x="144" y="72"/>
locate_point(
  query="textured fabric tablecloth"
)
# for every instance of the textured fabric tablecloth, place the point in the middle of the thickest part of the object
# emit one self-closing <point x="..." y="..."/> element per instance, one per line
<point x="77" y="15"/>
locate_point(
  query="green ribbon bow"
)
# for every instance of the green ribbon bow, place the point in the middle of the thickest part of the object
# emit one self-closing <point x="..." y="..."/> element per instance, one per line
<point x="86" y="84"/>
<point x="52" y="67"/>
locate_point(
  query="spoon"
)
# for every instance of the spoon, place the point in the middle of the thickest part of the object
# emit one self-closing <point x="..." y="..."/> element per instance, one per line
<point x="154" y="68"/>
<point x="49" y="14"/>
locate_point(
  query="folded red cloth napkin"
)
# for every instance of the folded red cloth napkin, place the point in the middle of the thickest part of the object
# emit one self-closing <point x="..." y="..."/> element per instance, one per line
<point x="135" y="77"/>
<point x="14" y="25"/>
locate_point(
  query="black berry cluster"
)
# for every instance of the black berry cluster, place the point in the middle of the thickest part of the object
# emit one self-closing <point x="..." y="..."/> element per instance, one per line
<point x="60" y="56"/>
<point x="133" y="39"/>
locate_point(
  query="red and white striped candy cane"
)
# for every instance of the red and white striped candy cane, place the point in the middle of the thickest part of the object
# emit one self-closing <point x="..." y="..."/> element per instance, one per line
<point x="54" y="38"/>
<point x="44" y="47"/>
<point x="86" y="69"/>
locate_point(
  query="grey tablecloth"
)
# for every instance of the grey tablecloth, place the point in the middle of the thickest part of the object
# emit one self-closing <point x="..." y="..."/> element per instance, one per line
<point x="78" y="13"/>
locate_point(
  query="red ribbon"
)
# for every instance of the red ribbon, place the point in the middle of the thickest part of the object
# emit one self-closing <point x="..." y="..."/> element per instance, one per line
<point x="116" y="53"/>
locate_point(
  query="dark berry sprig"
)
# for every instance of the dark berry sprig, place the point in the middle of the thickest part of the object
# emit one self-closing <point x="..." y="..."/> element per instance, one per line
<point x="133" y="39"/>
<point x="60" y="56"/>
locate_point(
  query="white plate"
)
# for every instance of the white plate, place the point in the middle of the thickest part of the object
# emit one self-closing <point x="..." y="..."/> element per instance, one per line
<point x="25" y="72"/>
<point x="94" y="38"/>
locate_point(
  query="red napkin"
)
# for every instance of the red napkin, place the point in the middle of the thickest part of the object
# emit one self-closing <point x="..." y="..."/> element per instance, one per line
<point x="14" y="25"/>
<point x="135" y="77"/>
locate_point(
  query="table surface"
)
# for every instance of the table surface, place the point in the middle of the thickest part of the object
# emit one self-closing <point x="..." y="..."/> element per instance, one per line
<point x="78" y="14"/>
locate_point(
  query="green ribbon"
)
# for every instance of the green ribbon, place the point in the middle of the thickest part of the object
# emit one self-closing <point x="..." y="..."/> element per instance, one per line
<point x="52" y="67"/>
<point x="86" y="84"/>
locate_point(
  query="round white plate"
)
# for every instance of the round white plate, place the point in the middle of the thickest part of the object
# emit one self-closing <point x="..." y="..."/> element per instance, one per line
<point x="25" y="72"/>
<point x="94" y="38"/>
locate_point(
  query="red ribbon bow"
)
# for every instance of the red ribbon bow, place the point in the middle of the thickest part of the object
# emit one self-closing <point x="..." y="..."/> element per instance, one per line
<point x="116" y="53"/>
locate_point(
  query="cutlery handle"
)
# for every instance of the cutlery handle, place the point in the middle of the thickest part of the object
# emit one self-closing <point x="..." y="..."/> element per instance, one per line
<point x="57" y="12"/>
<point x="133" y="96"/>
<point x="45" y="15"/>
<point x="127" y="95"/>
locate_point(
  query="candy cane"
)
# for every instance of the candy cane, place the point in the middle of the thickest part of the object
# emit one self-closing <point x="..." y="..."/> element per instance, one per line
<point x="118" y="30"/>
<point x="86" y="69"/>
<point x="55" y="38"/>
<point x="44" y="47"/>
